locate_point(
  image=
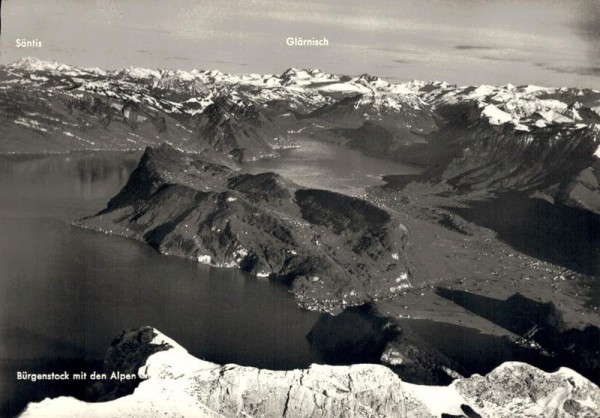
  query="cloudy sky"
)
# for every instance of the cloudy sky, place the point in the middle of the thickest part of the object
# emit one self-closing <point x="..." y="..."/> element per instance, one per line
<point x="547" y="42"/>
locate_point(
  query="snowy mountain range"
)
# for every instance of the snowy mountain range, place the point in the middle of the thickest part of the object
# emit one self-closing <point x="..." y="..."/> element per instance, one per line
<point x="187" y="94"/>
<point x="496" y="138"/>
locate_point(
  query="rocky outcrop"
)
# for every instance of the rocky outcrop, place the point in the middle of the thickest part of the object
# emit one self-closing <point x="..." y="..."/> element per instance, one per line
<point x="176" y="384"/>
<point x="516" y="389"/>
<point x="335" y="250"/>
<point x="126" y="354"/>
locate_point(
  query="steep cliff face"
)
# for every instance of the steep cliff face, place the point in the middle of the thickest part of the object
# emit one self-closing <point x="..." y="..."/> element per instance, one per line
<point x="173" y="383"/>
<point x="335" y="249"/>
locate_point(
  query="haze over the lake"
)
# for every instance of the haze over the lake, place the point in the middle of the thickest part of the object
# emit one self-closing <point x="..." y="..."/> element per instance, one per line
<point x="546" y="42"/>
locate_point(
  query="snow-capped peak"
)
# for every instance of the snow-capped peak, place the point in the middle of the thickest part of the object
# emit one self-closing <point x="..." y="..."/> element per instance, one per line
<point x="305" y="77"/>
<point x="141" y="73"/>
<point x="34" y="64"/>
<point x="371" y="81"/>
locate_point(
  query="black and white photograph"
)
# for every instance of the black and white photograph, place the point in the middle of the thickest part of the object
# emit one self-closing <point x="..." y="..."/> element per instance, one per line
<point x="296" y="209"/>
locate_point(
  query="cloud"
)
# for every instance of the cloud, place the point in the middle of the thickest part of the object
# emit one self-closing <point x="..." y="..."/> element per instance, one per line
<point x="404" y="61"/>
<point x="587" y="26"/>
<point x="240" y="64"/>
<point x="396" y="49"/>
<point x="470" y="47"/>
<point x="175" y="58"/>
<point x="501" y="59"/>
<point x="593" y="71"/>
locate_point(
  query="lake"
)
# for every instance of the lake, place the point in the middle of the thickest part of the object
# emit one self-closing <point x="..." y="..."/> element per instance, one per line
<point x="322" y="165"/>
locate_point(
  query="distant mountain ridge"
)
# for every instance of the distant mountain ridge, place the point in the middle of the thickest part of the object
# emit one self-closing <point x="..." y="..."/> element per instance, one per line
<point x="484" y="138"/>
<point x="189" y="93"/>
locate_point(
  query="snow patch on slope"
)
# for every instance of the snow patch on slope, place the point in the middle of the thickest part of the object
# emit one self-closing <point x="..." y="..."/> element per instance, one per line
<point x="496" y="116"/>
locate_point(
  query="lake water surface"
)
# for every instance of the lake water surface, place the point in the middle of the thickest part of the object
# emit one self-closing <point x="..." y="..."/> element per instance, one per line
<point x="322" y="165"/>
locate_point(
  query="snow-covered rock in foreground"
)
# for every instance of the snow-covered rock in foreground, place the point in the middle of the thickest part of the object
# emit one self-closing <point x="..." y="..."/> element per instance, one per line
<point x="179" y="385"/>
